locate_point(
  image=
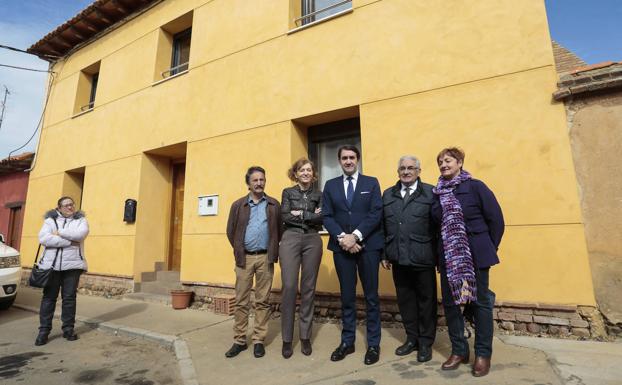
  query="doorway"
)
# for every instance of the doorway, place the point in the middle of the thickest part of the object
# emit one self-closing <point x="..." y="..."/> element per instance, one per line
<point x="177" y="215"/>
<point x="15" y="227"/>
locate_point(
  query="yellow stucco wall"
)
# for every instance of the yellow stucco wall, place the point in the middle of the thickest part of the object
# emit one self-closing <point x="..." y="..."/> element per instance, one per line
<point x="153" y="213"/>
<point x="424" y="74"/>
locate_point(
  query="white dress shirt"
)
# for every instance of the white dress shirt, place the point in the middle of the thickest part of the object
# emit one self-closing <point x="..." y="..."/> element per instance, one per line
<point x="355" y="178"/>
<point x="411" y="188"/>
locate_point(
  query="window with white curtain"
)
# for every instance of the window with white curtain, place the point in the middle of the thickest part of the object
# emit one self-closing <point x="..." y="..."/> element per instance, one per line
<point x="325" y="140"/>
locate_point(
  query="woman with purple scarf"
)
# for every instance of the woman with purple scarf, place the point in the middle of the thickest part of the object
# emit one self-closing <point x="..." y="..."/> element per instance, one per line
<point x="471" y="226"/>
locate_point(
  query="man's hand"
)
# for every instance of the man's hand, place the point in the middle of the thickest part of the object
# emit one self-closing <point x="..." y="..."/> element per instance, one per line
<point x="348" y="241"/>
<point x="386" y="264"/>
<point x="318" y="210"/>
<point x="355" y="249"/>
<point x="296" y="213"/>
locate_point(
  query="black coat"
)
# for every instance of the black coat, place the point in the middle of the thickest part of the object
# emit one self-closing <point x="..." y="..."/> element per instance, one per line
<point x="409" y="235"/>
<point x="294" y="198"/>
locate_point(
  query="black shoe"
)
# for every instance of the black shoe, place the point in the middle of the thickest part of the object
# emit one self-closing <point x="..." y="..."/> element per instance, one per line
<point x="373" y="355"/>
<point x="42" y="338"/>
<point x="406" y="349"/>
<point x="259" y="351"/>
<point x="70" y="335"/>
<point x="424" y="354"/>
<point x="341" y="352"/>
<point x="287" y="350"/>
<point x="235" y="350"/>
<point x="305" y="347"/>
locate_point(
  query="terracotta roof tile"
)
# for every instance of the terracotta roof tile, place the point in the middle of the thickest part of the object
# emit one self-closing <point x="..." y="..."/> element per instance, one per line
<point x="16" y="163"/>
<point x="590" y="67"/>
<point x="88" y="23"/>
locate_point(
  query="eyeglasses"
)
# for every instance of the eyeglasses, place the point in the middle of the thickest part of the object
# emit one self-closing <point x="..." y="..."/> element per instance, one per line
<point x="67" y="205"/>
<point x="409" y="168"/>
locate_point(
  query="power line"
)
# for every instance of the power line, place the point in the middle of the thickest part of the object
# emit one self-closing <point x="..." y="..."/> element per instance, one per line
<point x="6" y="93"/>
<point x="24" y="68"/>
<point x="26" y="52"/>
<point x="47" y="98"/>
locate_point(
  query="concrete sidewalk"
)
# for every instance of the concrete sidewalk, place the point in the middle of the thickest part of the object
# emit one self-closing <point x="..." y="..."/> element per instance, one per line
<point x="200" y="339"/>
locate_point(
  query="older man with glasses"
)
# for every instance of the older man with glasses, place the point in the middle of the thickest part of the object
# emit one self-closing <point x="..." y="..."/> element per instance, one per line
<point x="410" y="253"/>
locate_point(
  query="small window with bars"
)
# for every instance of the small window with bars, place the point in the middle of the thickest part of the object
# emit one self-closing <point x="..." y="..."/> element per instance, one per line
<point x="316" y="10"/>
<point x="181" y="52"/>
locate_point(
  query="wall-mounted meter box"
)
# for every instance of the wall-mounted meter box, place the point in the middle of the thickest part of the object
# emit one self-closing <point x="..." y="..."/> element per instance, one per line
<point x="208" y="204"/>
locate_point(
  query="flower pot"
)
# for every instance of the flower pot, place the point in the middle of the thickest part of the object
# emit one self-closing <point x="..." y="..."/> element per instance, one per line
<point x="180" y="299"/>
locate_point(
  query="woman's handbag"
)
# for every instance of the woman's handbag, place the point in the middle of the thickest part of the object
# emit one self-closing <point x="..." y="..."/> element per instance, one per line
<point x="39" y="277"/>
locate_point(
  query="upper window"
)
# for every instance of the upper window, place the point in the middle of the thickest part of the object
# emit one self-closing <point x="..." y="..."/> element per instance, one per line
<point x="174" y="44"/>
<point x="86" y="93"/>
<point x="314" y="10"/>
<point x="94" y="80"/>
<point x="181" y="51"/>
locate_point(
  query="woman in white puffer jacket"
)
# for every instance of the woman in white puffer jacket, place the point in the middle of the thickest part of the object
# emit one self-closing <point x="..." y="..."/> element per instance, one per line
<point x="62" y="235"/>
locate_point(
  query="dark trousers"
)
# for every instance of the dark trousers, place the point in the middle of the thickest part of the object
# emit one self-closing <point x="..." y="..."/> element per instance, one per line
<point x="416" y="297"/>
<point x="484" y="328"/>
<point x="367" y="264"/>
<point x="66" y="282"/>
<point x="298" y="254"/>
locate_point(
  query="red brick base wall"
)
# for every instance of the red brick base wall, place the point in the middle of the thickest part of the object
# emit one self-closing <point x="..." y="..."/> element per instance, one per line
<point x="510" y="318"/>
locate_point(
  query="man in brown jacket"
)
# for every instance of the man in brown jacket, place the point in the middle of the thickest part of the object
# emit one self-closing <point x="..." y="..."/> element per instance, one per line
<point x="254" y="231"/>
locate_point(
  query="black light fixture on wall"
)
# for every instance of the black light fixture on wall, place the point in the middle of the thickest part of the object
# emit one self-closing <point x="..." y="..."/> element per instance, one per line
<point x="129" y="212"/>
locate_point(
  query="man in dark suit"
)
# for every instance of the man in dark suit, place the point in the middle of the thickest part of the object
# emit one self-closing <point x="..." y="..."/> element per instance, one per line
<point x="410" y="252"/>
<point x="352" y="210"/>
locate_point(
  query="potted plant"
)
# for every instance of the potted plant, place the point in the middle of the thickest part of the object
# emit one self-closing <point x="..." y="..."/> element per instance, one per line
<point x="180" y="299"/>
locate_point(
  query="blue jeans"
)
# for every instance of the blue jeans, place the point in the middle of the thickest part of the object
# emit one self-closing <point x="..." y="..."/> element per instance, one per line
<point x="484" y="328"/>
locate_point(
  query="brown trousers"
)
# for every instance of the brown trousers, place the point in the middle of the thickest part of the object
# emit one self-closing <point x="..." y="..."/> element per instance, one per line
<point x="298" y="253"/>
<point x="257" y="266"/>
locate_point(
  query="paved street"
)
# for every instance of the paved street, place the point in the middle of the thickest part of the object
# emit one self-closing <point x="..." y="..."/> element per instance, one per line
<point x="511" y="365"/>
<point x="96" y="358"/>
<point x="200" y="338"/>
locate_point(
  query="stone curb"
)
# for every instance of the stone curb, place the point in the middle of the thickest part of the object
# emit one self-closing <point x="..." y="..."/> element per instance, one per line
<point x="177" y="344"/>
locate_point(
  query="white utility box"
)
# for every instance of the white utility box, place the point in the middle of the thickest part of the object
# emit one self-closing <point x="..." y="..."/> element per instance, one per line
<point x="208" y="204"/>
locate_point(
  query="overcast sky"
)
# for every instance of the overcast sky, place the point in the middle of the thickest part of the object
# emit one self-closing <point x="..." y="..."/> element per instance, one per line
<point x="22" y="23"/>
<point x="591" y="31"/>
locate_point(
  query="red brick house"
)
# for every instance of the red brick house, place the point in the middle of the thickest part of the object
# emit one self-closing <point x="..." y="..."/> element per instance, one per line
<point x="13" y="187"/>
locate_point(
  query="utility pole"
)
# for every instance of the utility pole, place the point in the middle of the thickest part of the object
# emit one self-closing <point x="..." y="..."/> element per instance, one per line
<point x="6" y="93"/>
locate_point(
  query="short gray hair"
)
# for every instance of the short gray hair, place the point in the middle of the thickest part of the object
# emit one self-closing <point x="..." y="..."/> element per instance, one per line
<point x="409" y="157"/>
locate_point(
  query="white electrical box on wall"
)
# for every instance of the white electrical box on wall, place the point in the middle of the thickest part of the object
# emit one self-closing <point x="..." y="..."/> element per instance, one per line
<point x="208" y="204"/>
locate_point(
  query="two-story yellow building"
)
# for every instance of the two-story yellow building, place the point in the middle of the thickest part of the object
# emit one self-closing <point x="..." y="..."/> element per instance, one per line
<point x="168" y="102"/>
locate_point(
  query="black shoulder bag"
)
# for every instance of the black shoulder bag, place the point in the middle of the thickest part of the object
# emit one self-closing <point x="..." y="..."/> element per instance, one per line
<point x="39" y="277"/>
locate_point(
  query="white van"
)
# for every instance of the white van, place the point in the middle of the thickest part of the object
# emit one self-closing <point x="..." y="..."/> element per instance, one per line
<point x="10" y="274"/>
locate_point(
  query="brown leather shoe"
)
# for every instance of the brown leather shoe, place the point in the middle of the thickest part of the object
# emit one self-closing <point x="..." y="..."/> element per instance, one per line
<point x="481" y="366"/>
<point x="454" y="361"/>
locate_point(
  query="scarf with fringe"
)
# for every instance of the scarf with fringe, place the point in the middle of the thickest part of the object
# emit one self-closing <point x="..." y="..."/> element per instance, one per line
<point x="458" y="259"/>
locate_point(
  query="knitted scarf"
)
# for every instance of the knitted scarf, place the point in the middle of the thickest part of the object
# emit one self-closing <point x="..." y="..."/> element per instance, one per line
<point x="458" y="260"/>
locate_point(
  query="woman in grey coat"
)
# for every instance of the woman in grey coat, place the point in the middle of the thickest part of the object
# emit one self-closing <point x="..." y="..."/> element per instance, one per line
<point x="62" y="235"/>
<point x="300" y="252"/>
